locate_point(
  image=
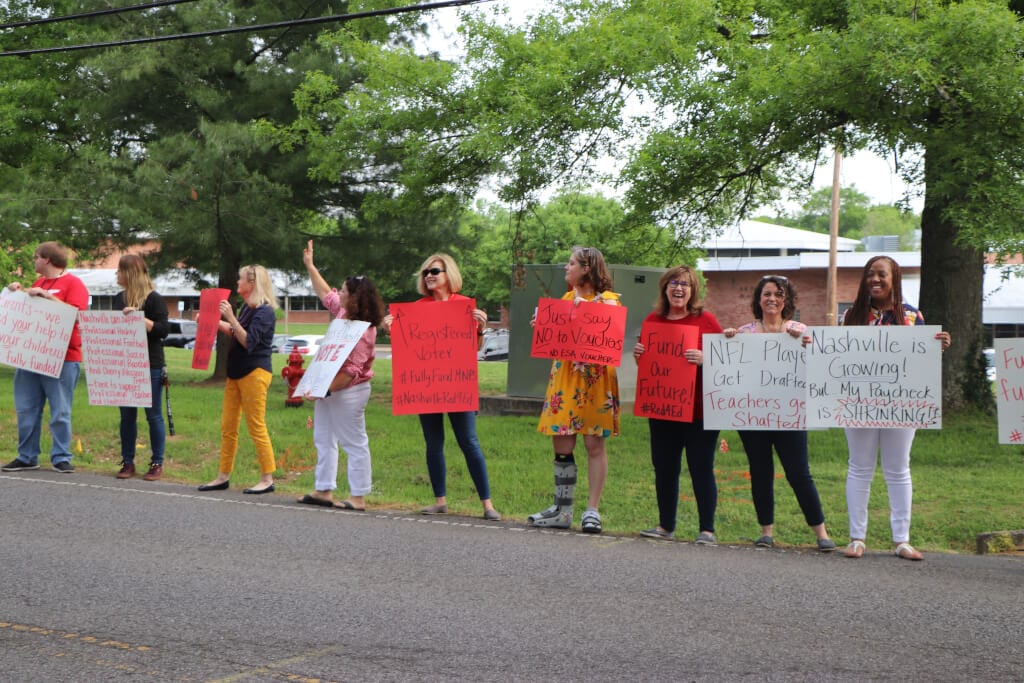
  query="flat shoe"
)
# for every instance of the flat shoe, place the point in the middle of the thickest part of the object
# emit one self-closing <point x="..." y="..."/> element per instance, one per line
<point x="492" y="515"/>
<point x="348" y="505"/>
<point x="656" y="532"/>
<point x="223" y="486"/>
<point x="855" y="549"/>
<point x="313" y="500"/>
<point x="826" y="545"/>
<point x="269" y="489"/>
<point x="765" y="542"/>
<point x="434" y="510"/>
<point x="905" y="551"/>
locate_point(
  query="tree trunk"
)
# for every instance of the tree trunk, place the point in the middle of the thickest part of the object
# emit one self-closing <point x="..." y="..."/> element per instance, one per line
<point x="952" y="278"/>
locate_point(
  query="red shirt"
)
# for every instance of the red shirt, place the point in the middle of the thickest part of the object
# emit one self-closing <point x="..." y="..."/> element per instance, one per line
<point x="70" y="290"/>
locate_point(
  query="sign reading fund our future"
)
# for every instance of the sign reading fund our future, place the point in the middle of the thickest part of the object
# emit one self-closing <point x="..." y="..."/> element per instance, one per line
<point x="588" y="332"/>
<point x="1009" y="363"/>
<point x="665" y="380"/>
<point x="433" y="357"/>
<point x="754" y="382"/>
<point x="875" y="376"/>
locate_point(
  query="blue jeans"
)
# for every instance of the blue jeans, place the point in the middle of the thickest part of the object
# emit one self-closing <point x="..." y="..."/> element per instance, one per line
<point x="31" y="393"/>
<point x="155" y="418"/>
<point x="464" y="426"/>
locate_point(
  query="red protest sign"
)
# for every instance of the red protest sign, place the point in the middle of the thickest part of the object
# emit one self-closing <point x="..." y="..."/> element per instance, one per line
<point x="207" y="325"/>
<point x="433" y="357"/>
<point x="665" y="380"/>
<point x="589" y="332"/>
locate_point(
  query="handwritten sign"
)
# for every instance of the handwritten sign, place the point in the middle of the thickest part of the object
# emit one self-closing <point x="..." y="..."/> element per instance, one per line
<point x="754" y="382"/>
<point x="433" y="362"/>
<point x="589" y="332"/>
<point x="207" y="325"/>
<point x="665" y="380"/>
<point x="341" y="338"/>
<point x="116" y="358"/>
<point x="34" y="332"/>
<point x="868" y="376"/>
<point x="1009" y="362"/>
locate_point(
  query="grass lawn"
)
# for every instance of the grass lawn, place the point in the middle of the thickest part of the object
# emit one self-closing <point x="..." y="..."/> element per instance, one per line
<point x="965" y="483"/>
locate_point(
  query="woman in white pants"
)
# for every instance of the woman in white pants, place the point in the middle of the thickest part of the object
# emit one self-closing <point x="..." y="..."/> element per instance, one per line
<point x="880" y="302"/>
<point x="339" y="419"/>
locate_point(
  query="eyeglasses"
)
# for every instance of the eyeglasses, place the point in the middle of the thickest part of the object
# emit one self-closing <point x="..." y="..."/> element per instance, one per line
<point x="432" y="271"/>
<point x="672" y="284"/>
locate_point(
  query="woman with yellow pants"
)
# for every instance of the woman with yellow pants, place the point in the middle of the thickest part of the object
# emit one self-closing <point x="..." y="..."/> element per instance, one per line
<point x="249" y="375"/>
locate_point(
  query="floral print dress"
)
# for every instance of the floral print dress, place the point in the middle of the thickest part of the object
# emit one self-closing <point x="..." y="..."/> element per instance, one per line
<point x="582" y="398"/>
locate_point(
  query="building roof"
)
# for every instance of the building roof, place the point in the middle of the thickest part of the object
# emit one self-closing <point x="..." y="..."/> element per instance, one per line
<point x="758" y="235"/>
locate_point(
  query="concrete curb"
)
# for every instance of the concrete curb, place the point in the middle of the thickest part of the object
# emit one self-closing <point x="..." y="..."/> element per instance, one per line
<point x="1000" y="542"/>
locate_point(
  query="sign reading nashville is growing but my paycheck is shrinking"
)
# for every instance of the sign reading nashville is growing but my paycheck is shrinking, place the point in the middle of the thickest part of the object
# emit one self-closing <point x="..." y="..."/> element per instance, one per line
<point x="587" y="332"/>
<point x="884" y="376"/>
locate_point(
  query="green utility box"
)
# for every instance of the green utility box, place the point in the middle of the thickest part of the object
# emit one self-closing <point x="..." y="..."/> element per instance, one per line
<point x="528" y="377"/>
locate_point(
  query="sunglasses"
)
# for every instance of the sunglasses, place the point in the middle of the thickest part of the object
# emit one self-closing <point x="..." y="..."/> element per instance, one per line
<point x="775" y="278"/>
<point x="432" y="271"/>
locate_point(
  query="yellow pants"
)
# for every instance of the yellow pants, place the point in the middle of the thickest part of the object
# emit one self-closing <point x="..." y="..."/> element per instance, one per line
<point x="246" y="395"/>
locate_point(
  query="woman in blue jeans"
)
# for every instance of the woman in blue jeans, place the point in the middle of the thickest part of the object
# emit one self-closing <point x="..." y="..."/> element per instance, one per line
<point x="439" y="279"/>
<point x="138" y="295"/>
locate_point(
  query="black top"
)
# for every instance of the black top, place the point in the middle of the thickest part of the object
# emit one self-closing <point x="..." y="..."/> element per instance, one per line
<point x="258" y="324"/>
<point x="155" y="309"/>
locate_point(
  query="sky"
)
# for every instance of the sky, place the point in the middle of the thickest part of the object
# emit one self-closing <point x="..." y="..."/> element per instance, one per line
<point x="869" y="173"/>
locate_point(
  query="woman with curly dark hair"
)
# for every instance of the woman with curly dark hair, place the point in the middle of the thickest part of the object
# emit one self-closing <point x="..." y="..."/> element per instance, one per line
<point x="773" y="306"/>
<point x="340" y="417"/>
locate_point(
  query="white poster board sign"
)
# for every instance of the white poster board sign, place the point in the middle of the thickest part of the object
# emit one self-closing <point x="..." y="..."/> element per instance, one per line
<point x="338" y="343"/>
<point x="874" y="376"/>
<point x="755" y="382"/>
<point x="116" y="359"/>
<point x="1009" y="362"/>
<point x="34" y="332"/>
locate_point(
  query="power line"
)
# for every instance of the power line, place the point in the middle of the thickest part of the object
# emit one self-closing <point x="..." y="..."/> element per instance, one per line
<point x="95" y="13"/>
<point x="336" y="18"/>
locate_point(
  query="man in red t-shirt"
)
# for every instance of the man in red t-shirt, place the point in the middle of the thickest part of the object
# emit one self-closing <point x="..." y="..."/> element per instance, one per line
<point x="31" y="389"/>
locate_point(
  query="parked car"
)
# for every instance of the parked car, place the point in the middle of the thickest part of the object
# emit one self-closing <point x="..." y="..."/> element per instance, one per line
<point x="277" y="345"/>
<point x="305" y="344"/>
<point x="495" y="346"/>
<point x="180" y="332"/>
<point x="990" y="364"/>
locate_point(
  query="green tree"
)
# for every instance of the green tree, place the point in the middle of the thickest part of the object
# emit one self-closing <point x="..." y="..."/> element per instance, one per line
<point x="816" y="212"/>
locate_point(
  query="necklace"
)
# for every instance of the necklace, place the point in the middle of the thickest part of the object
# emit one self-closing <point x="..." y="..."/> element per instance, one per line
<point x="765" y="327"/>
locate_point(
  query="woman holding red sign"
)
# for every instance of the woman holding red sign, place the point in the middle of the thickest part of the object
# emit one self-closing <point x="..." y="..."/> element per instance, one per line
<point x="249" y="375"/>
<point x="679" y="303"/>
<point x="773" y="305"/>
<point x="581" y="398"/>
<point x="439" y="279"/>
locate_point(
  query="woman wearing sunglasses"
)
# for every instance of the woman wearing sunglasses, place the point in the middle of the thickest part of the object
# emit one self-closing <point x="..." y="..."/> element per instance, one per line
<point x="439" y="279"/>
<point x="773" y="305"/>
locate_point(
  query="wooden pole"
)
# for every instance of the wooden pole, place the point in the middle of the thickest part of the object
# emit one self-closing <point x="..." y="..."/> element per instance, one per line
<point x="833" y="243"/>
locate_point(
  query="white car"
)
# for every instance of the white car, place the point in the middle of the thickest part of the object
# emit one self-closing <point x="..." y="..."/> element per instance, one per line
<point x="990" y="364"/>
<point x="305" y="344"/>
<point x="495" y="347"/>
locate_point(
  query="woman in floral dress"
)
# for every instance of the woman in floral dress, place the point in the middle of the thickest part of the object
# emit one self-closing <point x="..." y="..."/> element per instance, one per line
<point x="581" y="398"/>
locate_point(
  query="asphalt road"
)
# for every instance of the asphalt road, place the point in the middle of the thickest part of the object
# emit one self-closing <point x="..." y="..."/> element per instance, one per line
<point x="132" y="580"/>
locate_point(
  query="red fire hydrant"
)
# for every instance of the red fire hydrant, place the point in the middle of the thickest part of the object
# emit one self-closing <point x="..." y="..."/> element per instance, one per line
<point x="292" y="373"/>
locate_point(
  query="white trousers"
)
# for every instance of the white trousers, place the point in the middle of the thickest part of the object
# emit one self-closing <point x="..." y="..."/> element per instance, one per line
<point x="340" y="419"/>
<point x="864" y="446"/>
